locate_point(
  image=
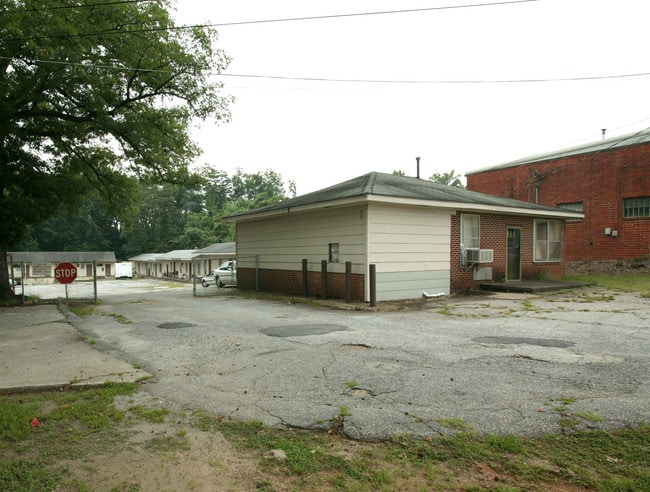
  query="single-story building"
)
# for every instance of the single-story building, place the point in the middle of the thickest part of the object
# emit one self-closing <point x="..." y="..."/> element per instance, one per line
<point x="38" y="266"/>
<point x="422" y="238"/>
<point x="183" y="263"/>
<point x="211" y="257"/>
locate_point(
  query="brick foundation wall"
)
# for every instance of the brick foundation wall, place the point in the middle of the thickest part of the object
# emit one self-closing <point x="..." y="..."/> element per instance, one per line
<point x="601" y="181"/>
<point x="290" y="282"/>
<point x="494" y="232"/>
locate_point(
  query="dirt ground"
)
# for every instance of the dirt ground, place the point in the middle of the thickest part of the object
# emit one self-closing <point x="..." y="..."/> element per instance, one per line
<point x="623" y="267"/>
<point x="205" y="461"/>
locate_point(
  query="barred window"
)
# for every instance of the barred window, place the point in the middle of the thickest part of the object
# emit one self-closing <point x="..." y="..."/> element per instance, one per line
<point x="636" y="207"/>
<point x="574" y="207"/>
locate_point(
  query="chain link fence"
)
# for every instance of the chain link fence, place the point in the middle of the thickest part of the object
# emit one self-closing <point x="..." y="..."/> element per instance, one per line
<point x="38" y="281"/>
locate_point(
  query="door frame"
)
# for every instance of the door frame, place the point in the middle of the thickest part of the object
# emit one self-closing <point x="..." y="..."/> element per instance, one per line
<point x="508" y="279"/>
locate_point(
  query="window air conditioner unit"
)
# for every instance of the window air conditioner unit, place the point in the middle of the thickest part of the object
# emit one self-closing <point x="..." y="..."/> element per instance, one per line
<point x="480" y="255"/>
<point x="472" y="255"/>
<point x="485" y="255"/>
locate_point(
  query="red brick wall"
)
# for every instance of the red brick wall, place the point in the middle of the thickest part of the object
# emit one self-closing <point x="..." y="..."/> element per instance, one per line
<point x="601" y="181"/>
<point x="494" y="235"/>
<point x="290" y="282"/>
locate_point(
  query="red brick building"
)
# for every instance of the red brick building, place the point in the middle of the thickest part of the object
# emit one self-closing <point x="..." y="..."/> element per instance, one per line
<point x="608" y="181"/>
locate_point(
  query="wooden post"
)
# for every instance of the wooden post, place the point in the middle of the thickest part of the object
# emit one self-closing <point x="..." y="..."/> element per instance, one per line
<point x="348" y="281"/>
<point x="373" y="285"/>
<point x="323" y="274"/>
<point x="305" y="284"/>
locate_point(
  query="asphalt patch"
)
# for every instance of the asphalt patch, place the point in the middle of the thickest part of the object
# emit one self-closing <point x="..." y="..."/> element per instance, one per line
<point x="174" y="325"/>
<point x="302" y="330"/>
<point x="541" y="342"/>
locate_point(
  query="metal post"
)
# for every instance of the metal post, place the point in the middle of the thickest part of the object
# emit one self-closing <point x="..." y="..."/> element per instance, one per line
<point x="373" y="285"/>
<point x="94" y="280"/>
<point x="305" y="284"/>
<point x="348" y="281"/>
<point x="257" y="273"/>
<point x="323" y="270"/>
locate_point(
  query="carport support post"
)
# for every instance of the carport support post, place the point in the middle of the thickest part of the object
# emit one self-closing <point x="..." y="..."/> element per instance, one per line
<point x="305" y="285"/>
<point x="94" y="279"/>
<point x="373" y="285"/>
<point x="323" y="270"/>
<point x="348" y="281"/>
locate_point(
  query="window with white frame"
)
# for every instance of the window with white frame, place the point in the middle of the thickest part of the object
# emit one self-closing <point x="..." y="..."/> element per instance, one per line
<point x="334" y="252"/>
<point x="636" y="207"/>
<point x="470" y="231"/>
<point x="548" y="243"/>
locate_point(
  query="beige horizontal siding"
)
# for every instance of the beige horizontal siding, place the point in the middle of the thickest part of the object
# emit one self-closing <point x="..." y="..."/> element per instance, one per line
<point x="283" y="242"/>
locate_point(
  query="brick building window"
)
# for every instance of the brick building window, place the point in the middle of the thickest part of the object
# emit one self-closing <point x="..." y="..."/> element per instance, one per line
<point x="470" y="231"/>
<point x="548" y="244"/>
<point x="636" y="207"/>
<point x="574" y="207"/>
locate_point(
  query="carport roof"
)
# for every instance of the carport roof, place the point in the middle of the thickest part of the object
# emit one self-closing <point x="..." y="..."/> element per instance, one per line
<point x="404" y="190"/>
<point x="62" y="256"/>
<point x="217" y="249"/>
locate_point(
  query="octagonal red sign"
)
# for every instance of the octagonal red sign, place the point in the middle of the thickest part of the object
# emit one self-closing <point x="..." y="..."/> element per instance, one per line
<point x="65" y="273"/>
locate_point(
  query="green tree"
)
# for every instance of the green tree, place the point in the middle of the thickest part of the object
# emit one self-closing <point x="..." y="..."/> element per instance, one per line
<point x="90" y="229"/>
<point x="449" y="178"/>
<point x="91" y="95"/>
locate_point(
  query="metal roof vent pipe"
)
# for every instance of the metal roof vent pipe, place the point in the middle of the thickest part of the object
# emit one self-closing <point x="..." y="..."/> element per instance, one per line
<point x="417" y="160"/>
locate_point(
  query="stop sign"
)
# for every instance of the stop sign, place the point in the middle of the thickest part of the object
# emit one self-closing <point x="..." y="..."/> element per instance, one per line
<point x="65" y="273"/>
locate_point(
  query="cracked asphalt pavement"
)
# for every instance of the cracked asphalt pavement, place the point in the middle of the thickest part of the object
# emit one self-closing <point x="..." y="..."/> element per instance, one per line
<point x="501" y="363"/>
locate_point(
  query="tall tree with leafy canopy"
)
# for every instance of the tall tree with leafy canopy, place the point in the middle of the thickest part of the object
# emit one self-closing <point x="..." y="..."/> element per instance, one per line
<point x="92" y="96"/>
<point x="450" y="178"/>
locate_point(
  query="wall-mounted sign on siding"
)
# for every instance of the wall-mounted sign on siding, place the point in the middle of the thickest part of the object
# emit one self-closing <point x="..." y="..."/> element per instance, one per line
<point x="41" y="270"/>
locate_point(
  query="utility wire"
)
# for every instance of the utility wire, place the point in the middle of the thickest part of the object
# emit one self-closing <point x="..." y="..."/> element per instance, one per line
<point x="265" y="21"/>
<point x="76" y="6"/>
<point x="386" y="81"/>
<point x="360" y="14"/>
<point x="356" y="81"/>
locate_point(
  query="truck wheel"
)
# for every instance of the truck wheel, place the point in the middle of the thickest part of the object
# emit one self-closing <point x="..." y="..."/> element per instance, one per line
<point x="219" y="282"/>
<point x="204" y="284"/>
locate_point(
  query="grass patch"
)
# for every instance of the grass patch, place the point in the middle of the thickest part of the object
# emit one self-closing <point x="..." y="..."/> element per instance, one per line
<point x="83" y="424"/>
<point x="625" y="283"/>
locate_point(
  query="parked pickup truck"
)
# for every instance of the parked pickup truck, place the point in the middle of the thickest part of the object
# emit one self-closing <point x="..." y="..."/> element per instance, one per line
<point x="226" y="274"/>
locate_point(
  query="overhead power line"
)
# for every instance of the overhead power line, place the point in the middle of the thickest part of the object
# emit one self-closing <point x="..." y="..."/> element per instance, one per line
<point x="75" y="6"/>
<point x="361" y="14"/>
<point x="336" y="80"/>
<point x="455" y="82"/>
<point x="259" y="21"/>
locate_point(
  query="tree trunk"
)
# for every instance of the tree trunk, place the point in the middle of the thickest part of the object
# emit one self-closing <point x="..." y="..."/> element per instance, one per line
<point x="6" y="291"/>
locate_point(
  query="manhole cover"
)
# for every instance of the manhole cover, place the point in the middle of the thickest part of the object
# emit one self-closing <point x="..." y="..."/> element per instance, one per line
<point x="541" y="342"/>
<point x="174" y="325"/>
<point x="302" y="330"/>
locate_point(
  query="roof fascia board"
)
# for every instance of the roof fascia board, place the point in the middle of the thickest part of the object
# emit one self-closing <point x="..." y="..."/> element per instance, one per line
<point x="475" y="207"/>
<point x="299" y="208"/>
<point x="417" y="202"/>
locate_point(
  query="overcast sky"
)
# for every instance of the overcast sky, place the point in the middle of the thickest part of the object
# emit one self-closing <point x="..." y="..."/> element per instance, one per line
<point x="427" y="83"/>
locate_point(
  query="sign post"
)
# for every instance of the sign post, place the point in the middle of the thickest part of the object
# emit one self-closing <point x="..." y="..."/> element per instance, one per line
<point x="65" y="273"/>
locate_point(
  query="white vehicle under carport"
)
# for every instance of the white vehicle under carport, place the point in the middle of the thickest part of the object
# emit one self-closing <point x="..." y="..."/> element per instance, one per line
<point x="225" y="275"/>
